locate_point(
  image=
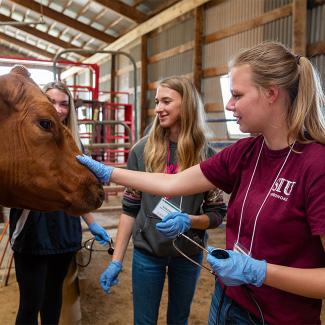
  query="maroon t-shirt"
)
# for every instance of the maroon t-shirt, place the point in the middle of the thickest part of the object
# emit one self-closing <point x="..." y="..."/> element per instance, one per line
<point x="290" y="223"/>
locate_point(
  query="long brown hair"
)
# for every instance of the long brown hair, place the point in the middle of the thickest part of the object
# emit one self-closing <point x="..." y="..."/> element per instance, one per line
<point x="272" y="63"/>
<point x="71" y="120"/>
<point x="191" y="145"/>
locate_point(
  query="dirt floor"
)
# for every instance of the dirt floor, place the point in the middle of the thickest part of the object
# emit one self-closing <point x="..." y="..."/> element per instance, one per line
<point x="98" y="308"/>
<point x="116" y="307"/>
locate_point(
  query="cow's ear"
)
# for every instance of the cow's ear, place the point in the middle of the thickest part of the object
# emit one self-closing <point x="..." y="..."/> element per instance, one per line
<point x="20" y="69"/>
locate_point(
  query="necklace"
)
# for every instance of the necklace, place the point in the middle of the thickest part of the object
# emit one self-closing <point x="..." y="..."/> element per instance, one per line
<point x="237" y="245"/>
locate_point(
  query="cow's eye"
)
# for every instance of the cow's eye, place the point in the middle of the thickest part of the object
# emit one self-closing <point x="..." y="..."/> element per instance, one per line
<point x="46" y="124"/>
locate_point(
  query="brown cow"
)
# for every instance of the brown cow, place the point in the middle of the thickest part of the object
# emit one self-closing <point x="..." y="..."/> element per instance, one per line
<point x="38" y="168"/>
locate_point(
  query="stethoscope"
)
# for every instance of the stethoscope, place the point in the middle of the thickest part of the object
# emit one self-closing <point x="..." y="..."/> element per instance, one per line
<point x="88" y="245"/>
<point x="217" y="252"/>
<point x="220" y="254"/>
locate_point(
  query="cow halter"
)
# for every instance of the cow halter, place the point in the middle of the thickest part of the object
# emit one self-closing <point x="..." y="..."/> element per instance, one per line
<point x="266" y="197"/>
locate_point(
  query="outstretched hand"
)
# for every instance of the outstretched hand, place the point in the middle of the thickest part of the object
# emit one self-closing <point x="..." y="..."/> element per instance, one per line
<point x="238" y="269"/>
<point x="102" y="172"/>
<point x="173" y="224"/>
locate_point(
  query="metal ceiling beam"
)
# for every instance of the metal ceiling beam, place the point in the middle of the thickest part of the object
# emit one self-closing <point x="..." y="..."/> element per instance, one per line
<point x="137" y="2"/>
<point x="180" y="8"/>
<point x="83" y="9"/>
<point x="37" y="33"/>
<point x="26" y="46"/>
<point x="124" y="10"/>
<point x="66" y="20"/>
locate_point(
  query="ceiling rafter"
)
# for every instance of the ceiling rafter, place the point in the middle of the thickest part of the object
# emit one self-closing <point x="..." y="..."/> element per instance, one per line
<point x="44" y="36"/>
<point x="87" y="43"/>
<point x="180" y="8"/>
<point x="83" y="9"/>
<point x="101" y="14"/>
<point x="49" y="28"/>
<point x="12" y="51"/>
<point x="112" y="24"/>
<point x="67" y="5"/>
<point x="137" y="2"/>
<point x="78" y="14"/>
<point x="26" y="15"/>
<point x="66" y="20"/>
<point x="13" y="7"/>
<point x="26" y="46"/>
<point x="124" y="10"/>
<point x="63" y="31"/>
<point x="75" y="38"/>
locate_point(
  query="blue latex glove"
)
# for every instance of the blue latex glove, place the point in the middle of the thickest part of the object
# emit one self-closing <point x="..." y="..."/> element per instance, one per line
<point x="102" y="172"/>
<point x="238" y="269"/>
<point x="173" y="224"/>
<point x="100" y="233"/>
<point x="109" y="276"/>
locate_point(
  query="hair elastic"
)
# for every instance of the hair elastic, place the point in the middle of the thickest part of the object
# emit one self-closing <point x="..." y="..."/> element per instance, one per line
<point x="297" y="58"/>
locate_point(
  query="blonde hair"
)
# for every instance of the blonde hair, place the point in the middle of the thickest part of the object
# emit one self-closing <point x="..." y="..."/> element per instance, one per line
<point x="272" y="63"/>
<point x="71" y="121"/>
<point x="192" y="142"/>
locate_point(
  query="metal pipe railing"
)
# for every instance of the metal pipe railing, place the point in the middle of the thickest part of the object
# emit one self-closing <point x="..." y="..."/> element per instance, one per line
<point x="57" y="77"/>
<point x="108" y="145"/>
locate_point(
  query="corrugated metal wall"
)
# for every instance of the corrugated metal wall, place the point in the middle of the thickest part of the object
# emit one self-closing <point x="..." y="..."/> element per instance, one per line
<point x="316" y="33"/>
<point x="174" y="36"/>
<point x="180" y="64"/>
<point x="217" y="53"/>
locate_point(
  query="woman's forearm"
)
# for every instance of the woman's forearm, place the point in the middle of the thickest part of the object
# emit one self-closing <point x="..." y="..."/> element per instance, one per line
<point x="305" y="282"/>
<point x="190" y="181"/>
<point x="123" y="236"/>
<point x="201" y="221"/>
<point x="88" y="218"/>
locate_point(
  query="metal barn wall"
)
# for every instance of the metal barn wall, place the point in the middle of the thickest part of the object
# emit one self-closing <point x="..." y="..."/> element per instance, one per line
<point x="315" y="34"/>
<point x="215" y="54"/>
<point x="280" y="29"/>
<point x="176" y="35"/>
<point x="180" y="64"/>
<point x="219" y="53"/>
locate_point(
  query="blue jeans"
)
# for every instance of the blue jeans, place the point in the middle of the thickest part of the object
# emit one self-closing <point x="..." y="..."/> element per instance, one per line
<point x="230" y="313"/>
<point x="148" y="277"/>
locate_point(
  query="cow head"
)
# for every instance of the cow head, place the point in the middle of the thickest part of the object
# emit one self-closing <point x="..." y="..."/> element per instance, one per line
<point x="38" y="168"/>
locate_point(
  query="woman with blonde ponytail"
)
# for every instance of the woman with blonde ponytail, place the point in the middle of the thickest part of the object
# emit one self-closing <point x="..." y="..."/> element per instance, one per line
<point x="275" y="232"/>
<point x="176" y="141"/>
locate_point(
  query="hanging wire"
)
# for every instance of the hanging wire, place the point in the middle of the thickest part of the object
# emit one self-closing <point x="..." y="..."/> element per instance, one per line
<point x="42" y="13"/>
